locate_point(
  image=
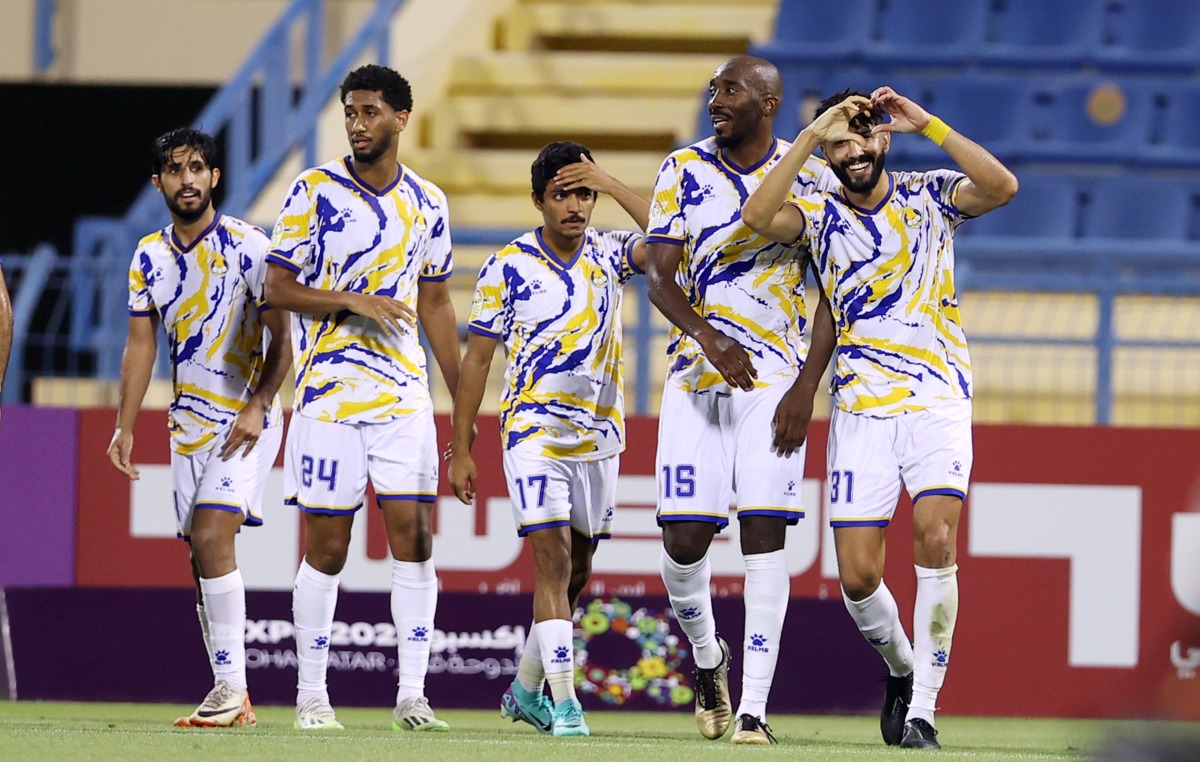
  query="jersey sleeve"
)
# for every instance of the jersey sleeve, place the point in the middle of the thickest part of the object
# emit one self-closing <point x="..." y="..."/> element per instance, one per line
<point x="292" y="238"/>
<point x="141" y="303"/>
<point x="439" y="261"/>
<point x="490" y="313"/>
<point x="622" y="243"/>
<point x="942" y="185"/>
<point x="810" y="207"/>
<point x="666" y="208"/>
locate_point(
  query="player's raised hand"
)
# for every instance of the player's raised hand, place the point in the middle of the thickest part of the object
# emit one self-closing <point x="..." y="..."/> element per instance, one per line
<point x="246" y="430"/>
<point x="906" y="115"/>
<point x="120" y="450"/>
<point x="585" y="173"/>
<point x="392" y="315"/>
<point x="462" y="476"/>
<point x="790" y="424"/>
<point x="835" y="124"/>
<point x="731" y="360"/>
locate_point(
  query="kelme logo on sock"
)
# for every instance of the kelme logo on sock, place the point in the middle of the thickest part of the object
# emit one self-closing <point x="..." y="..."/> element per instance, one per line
<point x="690" y="613"/>
<point x="419" y="634"/>
<point x="320" y="643"/>
<point x="221" y="658"/>
<point x="562" y="655"/>
<point x="758" y="643"/>
<point x="941" y="658"/>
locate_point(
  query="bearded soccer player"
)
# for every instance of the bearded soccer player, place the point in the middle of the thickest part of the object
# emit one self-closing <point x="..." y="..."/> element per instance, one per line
<point x="203" y="278"/>
<point x="883" y="244"/>
<point x="361" y="247"/>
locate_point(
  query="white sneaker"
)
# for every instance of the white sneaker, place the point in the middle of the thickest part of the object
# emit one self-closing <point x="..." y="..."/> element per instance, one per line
<point x="316" y="714"/>
<point x="416" y="714"/>
<point x="223" y="707"/>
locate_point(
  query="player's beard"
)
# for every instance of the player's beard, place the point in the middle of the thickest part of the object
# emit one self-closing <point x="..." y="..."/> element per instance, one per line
<point x="196" y="212"/>
<point x="372" y="155"/>
<point x="860" y="186"/>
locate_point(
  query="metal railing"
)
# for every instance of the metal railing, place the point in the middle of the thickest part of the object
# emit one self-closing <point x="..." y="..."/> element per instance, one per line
<point x="264" y="113"/>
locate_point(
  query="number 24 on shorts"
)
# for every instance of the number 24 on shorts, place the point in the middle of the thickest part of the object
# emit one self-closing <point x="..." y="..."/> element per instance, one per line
<point x="320" y="469"/>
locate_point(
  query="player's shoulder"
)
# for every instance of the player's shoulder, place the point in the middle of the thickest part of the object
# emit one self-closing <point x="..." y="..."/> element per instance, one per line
<point x="427" y="190"/>
<point x="691" y="156"/>
<point x="610" y="240"/>
<point x="248" y="236"/>
<point x="521" y="247"/>
<point x="322" y="173"/>
<point x="152" y="242"/>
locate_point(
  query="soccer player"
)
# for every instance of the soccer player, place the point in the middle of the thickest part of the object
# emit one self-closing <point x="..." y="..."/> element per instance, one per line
<point x="203" y="278"/>
<point x="736" y="301"/>
<point x="883" y="244"/>
<point x="6" y="327"/>
<point x="360" y="242"/>
<point x="554" y="297"/>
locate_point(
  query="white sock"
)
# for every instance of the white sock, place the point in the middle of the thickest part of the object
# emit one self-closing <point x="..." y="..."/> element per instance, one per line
<point x="688" y="589"/>
<point x="933" y="629"/>
<point x="878" y="620"/>
<point x="202" y="615"/>
<point x="414" y="603"/>
<point x="768" y="588"/>
<point x="530" y="673"/>
<point x="225" y="602"/>
<point x="556" y="638"/>
<point x="314" y="599"/>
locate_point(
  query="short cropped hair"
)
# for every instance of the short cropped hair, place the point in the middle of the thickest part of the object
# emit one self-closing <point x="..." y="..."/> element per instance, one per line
<point x="554" y="157"/>
<point x="395" y="89"/>
<point x="166" y="145"/>
<point x="859" y="123"/>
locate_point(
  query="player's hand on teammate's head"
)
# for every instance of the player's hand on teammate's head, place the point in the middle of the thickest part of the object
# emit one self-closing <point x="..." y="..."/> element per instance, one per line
<point x="906" y="115"/>
<point x="393" y="316"/>
<point x="120" y="452"/>
<point x="837" y="123"/>
<point x="583" y="174"/>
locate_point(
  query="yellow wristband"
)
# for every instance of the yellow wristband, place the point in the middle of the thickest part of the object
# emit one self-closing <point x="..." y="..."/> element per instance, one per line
<point x="936" y="130"/>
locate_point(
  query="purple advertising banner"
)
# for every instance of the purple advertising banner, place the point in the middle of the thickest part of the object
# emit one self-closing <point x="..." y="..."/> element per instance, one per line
<point x="144" y="645"/>
<point x="38" y="479"/>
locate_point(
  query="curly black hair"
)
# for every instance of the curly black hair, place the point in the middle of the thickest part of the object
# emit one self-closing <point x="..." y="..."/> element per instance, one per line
<point x="395" y="89"/>
<point x="860" y="123"/>
<point x="166" y="144"/>
<point x="552" y="158"/>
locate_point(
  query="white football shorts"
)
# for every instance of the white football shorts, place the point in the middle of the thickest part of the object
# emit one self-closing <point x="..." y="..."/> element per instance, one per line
<point x="581" y="494"/>
<point x="711" y="446"/>
<point x="326" y="465"/>
<point x="928" y="451"/>
<point x="204" y="481"/>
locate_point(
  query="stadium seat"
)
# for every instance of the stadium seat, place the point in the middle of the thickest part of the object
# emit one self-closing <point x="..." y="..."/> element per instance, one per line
<point x="806" y="31"/>
<point x="1153" y="35"/>
<point x="932" y="32"/>
<point x="802" y="89"/>
<point x="1046" y="206"/>
<point x="1058" y="33"/>
<point x="1135" y="207"/>
<point x="1087" y="120"/>
<point x="1175" y="135"/>
<point x="992" y="111"/>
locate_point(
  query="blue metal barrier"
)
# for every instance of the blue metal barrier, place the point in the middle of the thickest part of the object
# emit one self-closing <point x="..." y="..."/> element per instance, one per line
<point x="275" y="122"/>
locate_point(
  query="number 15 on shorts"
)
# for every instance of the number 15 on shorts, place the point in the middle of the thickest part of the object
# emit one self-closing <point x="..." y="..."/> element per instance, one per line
<point x="841" y="487"/>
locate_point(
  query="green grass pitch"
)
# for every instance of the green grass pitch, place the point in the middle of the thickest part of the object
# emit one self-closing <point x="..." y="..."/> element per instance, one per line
<point x="35" y="730"/>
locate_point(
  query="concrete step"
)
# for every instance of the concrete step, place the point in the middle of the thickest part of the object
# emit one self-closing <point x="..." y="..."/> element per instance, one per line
<point x="507" y="171"/>
<point x="571" y="73"/>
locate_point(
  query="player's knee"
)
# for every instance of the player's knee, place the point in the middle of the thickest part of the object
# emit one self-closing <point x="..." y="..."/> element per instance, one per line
<point x="327" y="554"/>
<point x="934" y="541"/>
<point x="212" y="550"/>
<point x="860" y="583"/>
<point x="685" y="547"/>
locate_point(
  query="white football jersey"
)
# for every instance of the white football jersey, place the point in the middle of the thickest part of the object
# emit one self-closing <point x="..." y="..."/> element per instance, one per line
<point x="339" y="234"/>
<point x="209" y="296"/>
<point x="889" y="275"/>
<point x="561" y="323"/>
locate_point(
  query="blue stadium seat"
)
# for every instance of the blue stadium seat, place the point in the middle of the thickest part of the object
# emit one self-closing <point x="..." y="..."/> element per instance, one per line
<point x="807" y="31"/>
<point x="1058" y="33"/>
<point x="802" y="89"/>
<point x="1153" y="35"/>
<point x="993" y="111"/>
<point x="1175" y="138"/>
<point x="1135" y="207"/>
<point x="930" y="32"/>
<point x="1046" y="206"/>
<point x="1087" y="120"/>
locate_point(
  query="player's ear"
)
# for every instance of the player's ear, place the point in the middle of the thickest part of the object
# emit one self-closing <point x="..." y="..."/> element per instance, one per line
<point x="156" y="181"/>
<point x="537" y="201"/>
<point x="401" y="121"/>
<point x="770" y="105"/>
<point x="216" y="177"/>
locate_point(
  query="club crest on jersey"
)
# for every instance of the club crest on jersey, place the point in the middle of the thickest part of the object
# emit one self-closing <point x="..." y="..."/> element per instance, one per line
<point x="911" y="217"/>
<point x="219" y="265"/>
<point x="599" y="279"/>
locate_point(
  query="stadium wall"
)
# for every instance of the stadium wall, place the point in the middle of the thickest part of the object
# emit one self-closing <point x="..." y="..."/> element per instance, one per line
<point x="1078" y="558"/>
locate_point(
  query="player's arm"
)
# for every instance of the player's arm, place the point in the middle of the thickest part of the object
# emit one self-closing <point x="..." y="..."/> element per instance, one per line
<point x="137" y="366"/>
<point x="727" y="356"/>
<point x="476" y="365"/>
<point x="765" y="211"/>
<point x="638" y="255"/>
<point x="587" y="174"/>
<point x="435" y="310"/>
<point x="794" y="412"/>
<point x="284" y="292"/>
<point x="248" y="425"/>
<point x="989" y="183"/>
<point x="6" y="328"/>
